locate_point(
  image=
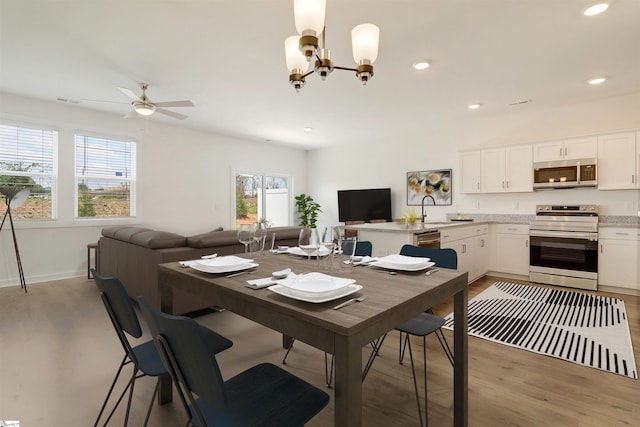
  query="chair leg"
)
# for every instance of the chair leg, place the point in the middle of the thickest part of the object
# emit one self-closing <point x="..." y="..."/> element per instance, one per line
<point x="376" y="345"/>
<point x="445" y="345"/>
<point x="113" y="384"/>
<point x="328" y="373"/>
<point x="153" y="397"/>
<point x="133" y="383"/>
<point x="415" y="385"/>
<point x="284" y="359"/>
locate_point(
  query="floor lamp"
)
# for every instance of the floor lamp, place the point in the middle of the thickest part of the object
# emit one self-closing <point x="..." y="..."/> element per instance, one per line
<point x="14" y="199"/>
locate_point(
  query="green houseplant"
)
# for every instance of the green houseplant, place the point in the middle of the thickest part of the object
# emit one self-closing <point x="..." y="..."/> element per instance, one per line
<point x="308" y="210"/>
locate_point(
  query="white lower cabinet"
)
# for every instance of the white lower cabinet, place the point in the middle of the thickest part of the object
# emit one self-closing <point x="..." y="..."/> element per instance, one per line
<point x="619" y="258"/>
<point x="512" y="249"/>
<point x="471" y="244"/>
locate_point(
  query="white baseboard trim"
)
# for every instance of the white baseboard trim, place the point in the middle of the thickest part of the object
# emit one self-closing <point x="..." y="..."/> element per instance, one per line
<point x="42" y="278"/>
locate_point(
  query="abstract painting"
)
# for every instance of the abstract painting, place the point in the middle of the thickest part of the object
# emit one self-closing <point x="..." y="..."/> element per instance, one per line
<point x="434" y="183"/>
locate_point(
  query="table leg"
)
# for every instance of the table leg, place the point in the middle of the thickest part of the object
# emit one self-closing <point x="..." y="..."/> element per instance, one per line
<point x="460" y="370"/>
<point x="348" y="391"/>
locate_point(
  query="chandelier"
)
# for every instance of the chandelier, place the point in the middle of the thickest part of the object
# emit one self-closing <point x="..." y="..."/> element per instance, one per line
<point x="301" y="49"/>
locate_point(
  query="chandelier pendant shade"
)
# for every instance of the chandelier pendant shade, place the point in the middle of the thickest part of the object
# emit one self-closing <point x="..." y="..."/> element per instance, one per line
<point x="301" y="49"/>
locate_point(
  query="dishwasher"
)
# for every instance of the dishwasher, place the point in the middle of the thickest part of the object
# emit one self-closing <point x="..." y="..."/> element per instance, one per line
<point x="427" y="239"/>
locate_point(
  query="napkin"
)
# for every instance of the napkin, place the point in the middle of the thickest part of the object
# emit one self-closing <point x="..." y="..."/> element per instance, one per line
<point x="267" y="281"/>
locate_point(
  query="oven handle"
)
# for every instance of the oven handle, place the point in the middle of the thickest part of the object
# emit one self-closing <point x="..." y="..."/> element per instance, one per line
<point x="592" y="237"/>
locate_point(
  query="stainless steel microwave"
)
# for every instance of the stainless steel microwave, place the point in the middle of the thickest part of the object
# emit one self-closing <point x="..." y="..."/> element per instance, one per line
<point x="565" y="174"/>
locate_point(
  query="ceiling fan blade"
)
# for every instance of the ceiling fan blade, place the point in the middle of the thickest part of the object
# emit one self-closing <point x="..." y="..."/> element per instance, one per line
<point x="171" y="113"/>
<point x="102" y="100"/>
<point x="130" y="93"/>
<point x="174" y="104"/>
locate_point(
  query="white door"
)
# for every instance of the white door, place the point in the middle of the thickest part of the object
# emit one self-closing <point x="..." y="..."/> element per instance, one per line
<point x="492" y="169"/>
<point x="519" y="169"/>
<point x="617" y="160"/>
<point x="470" y="171"/>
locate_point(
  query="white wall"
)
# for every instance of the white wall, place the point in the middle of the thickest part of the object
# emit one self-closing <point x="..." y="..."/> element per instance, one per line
<point x="184" y="184"/>
<point x="385" y="163"/>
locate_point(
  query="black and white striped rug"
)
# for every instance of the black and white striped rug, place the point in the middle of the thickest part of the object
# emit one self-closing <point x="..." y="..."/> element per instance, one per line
<point x="582" y="328"/>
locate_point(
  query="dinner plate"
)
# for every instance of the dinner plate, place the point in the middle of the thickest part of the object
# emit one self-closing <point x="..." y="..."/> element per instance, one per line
<point x="297" y="251"/>
<point x="315" y="284"/>
<point x="282" y="290"/>
<point x="224" y="261"/>
<point x="223" y="269"/>
<point x="418" y="267"/>
<point x="403" y="260"/>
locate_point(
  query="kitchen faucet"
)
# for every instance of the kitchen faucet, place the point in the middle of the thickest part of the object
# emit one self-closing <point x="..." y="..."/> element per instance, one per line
<point x="424" y="216"/>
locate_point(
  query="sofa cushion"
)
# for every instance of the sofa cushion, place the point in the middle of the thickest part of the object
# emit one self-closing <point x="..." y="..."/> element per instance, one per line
<point x="158" y="239"/>
<point x="213" y="238"/>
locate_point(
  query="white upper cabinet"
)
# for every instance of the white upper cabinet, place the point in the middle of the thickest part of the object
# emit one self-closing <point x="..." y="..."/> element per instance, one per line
<point x="470" y="171"/>
<point x="507" y="169"/>
<point x="618" y="161"/>
<point x="568" y="149"/>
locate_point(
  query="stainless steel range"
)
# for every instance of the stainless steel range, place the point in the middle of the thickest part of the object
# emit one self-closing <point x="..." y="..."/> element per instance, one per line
<point x="564" y="246"/>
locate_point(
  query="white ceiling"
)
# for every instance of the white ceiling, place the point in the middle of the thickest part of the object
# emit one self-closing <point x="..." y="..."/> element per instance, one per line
<point x="227" y="56"/>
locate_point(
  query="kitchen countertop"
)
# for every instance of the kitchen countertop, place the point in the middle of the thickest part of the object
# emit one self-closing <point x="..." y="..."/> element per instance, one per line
<point x="398" y="227"/>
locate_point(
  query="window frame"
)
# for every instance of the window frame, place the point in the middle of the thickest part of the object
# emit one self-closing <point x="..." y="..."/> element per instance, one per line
<point x="132" y="179"/>
<point x="54" y="175"/>
<point x="264" y="175"/>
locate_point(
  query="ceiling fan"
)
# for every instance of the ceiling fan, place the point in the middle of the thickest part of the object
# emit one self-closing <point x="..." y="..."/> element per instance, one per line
<point x="143" y="105"/>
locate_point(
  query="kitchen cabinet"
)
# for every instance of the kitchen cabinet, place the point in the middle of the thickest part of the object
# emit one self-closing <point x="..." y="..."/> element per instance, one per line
<point x="568" y="149"/>
<point x="512" y="249"/>
<point x="471" y="245"/>
<point x="470" y="171"/>
<point x="507" y="169"/>
<point x="619" y="258"/>
<point x="618" y="161"/>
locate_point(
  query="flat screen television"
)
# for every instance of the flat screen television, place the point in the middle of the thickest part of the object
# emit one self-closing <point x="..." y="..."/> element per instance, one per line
<point x="364" y="205"/>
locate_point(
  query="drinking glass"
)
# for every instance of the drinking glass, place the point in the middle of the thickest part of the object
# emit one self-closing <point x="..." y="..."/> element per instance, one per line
<point x="260" y="236"/>
<point x="328" y="242"/>
<point x="309" y="241"/>
<point x="245" y="235"/>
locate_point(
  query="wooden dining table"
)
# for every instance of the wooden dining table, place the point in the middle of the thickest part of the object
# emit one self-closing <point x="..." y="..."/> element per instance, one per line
<point x="391" y="299"/>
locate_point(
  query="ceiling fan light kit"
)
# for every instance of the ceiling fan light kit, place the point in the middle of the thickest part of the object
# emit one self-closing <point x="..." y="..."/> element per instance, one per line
<point x="301" y="49"/>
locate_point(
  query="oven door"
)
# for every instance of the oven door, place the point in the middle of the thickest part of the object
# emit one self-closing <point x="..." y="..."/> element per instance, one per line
<point x="564" y="250"/>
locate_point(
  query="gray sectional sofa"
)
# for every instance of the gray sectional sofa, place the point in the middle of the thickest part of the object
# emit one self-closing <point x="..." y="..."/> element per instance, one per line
<point x="133" y="253"/>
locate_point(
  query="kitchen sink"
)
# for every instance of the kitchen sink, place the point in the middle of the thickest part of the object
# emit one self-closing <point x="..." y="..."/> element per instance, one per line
<point x="437" y="223"/>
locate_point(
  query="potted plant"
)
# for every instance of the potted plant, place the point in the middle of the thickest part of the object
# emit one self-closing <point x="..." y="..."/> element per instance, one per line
<point x="308" y="210"/>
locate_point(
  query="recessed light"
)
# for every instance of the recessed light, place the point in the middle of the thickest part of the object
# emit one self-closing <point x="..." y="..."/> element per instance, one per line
<point x="422" y="65"/>
<point x="596" y="9"/>
<point x="308" y="128"/>
<point x="473" y="106"/>
<point x="597" y="81"/>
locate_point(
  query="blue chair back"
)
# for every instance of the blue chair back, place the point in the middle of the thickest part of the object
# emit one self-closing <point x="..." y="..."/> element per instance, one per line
<point x="445" y="258"/>
<point x="364" y="248"/>
<point x="183" y="345"/>
<point x="118" y="304"/>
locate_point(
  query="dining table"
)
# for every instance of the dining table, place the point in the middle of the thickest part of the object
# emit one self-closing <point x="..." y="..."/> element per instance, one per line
<point x="391" y="298"/>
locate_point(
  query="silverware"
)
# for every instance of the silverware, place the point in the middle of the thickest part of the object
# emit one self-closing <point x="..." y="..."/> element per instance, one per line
<point x="349" y="302"/>
<point x="432" y="271"/>
<point x="240" y="272"/>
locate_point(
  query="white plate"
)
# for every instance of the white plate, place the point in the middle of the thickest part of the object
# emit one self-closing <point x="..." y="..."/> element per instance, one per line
<point x="297" y="251"/>
<point x="315" y="283"/>
<point x="403" y="260"/>
<point x="348" y="290"/>
<point x="227" y="269"/>
<point x="224" y="261"/>
<point x="419" y="267"/>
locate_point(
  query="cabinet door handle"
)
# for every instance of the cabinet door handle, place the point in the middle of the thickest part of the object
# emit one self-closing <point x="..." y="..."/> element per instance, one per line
<point x="482" y="243"/>
<point x="502" y="184"/>
<point x="478" y="184"/>
<point x="507" y="184"/>
<point x="565" y="151"/>
<point x="633" y="179"/>
<point x="622" y="234"/>
<point x="526" y="243"/>
<point x="600" y="247"/>
<point x="560" y="152"/>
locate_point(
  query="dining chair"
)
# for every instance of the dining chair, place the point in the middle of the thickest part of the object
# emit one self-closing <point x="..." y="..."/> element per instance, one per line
<point x="423" y="324"/>
<point x="263" y="395"/>
<point x="144" y="357"/>
<point x="349" y="246"/>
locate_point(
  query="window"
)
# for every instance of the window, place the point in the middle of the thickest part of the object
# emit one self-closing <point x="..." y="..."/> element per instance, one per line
<point x="262" y="197"/>
<point x="28" y="160"/>
<point x="105" y="177"/>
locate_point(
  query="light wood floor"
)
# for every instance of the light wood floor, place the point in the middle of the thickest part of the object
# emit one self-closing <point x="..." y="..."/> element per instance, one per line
<point x="58" y="355"/>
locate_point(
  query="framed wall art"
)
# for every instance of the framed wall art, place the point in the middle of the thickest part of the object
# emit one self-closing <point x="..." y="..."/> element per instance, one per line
<point x="434" y="183"/>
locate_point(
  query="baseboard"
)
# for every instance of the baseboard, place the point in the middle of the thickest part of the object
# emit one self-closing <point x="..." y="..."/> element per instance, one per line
<point x="617" y="290"/>
<point x="42" y="278"/>
<point x="508" y="275"/>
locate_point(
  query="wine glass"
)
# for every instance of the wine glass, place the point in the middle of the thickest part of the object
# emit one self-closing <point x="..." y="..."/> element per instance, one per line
<point x="245" y="235"/>
<point x="328" y="242"/>
<point x="260" y="236"/>
<point x="308" y="241"/>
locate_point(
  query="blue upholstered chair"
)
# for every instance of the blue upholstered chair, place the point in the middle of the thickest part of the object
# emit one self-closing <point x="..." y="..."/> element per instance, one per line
<point x="362" y="248"/>
<point x="144" y="357"/>
<point x="264" y="395"/>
